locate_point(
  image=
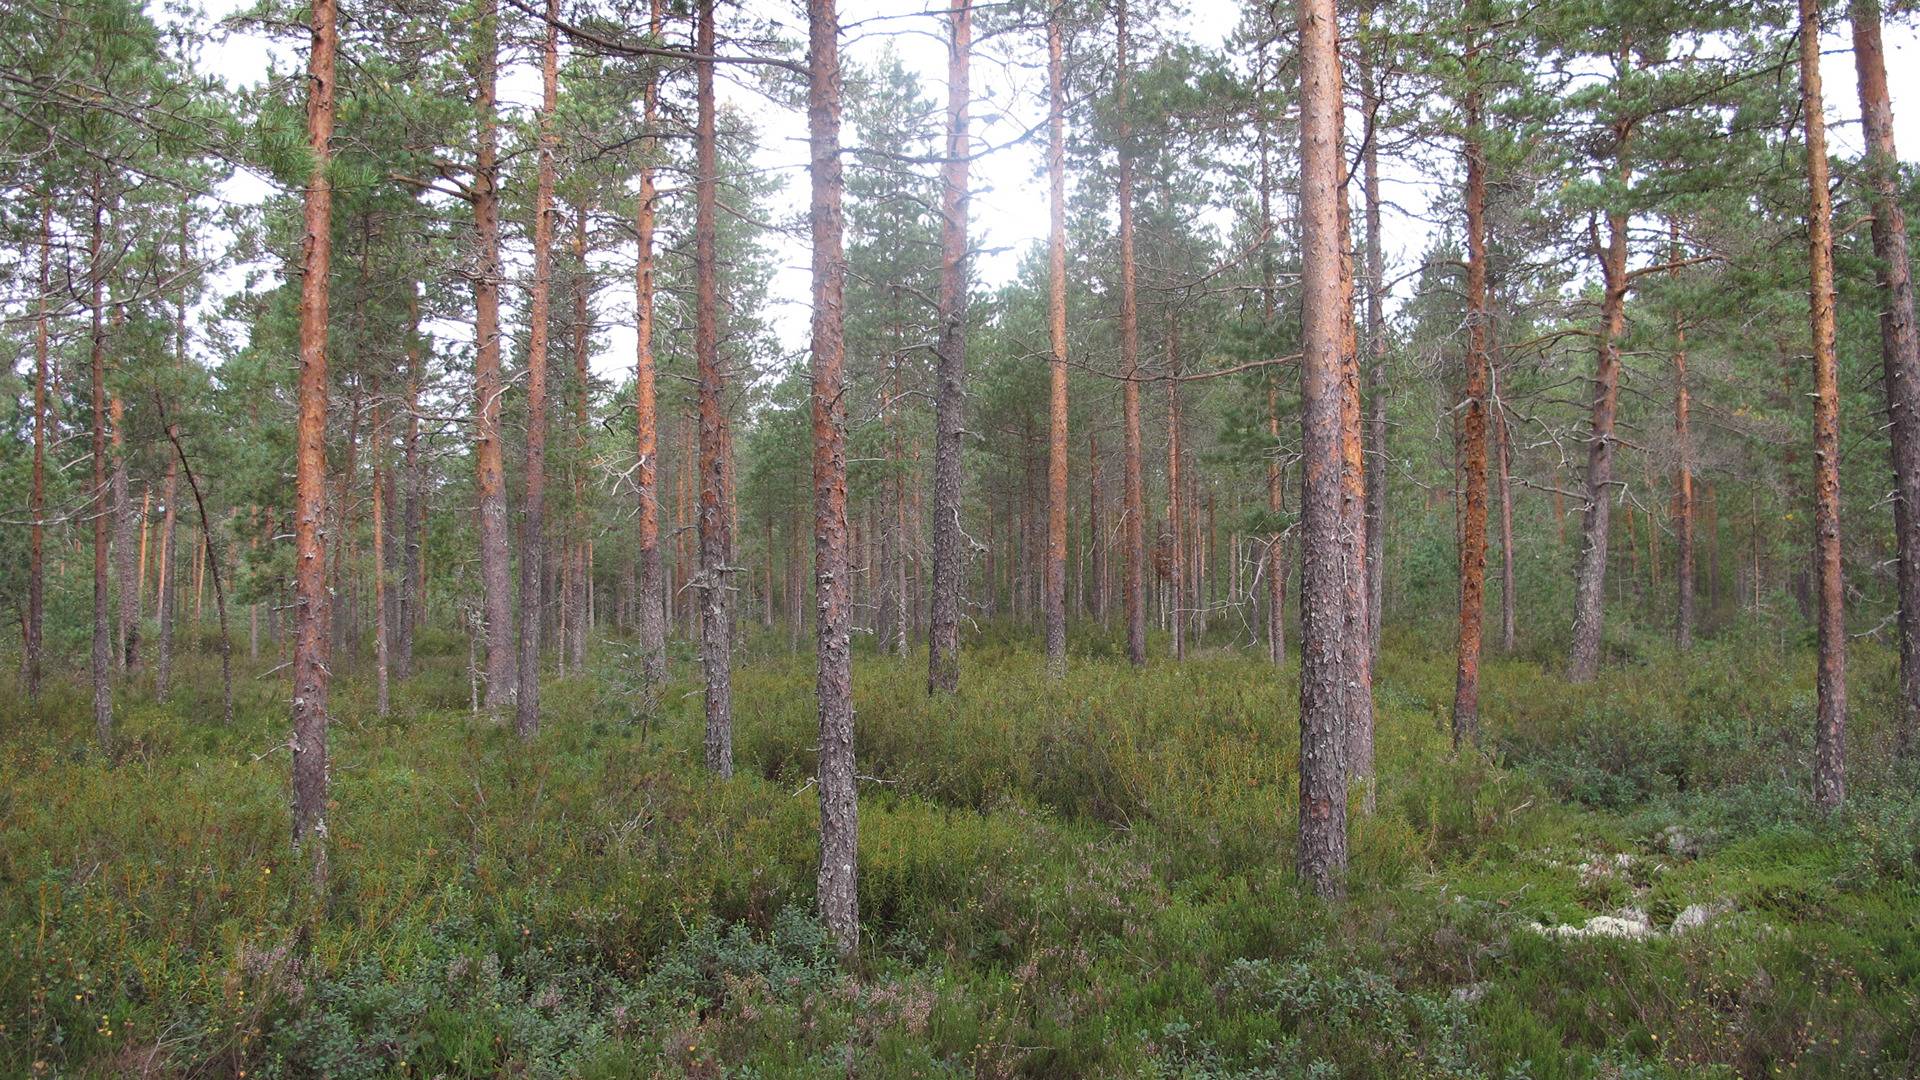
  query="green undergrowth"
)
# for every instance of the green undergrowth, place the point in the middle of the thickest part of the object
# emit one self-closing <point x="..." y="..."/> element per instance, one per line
<point x="1083" y="878"/>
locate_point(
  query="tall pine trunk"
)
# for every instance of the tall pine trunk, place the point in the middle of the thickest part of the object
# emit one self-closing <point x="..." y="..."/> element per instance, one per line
<point x="310" y="467"/>
<point x="1830" y="725"/>
<point x="1179" y="613"/>
<point x="496" y="577"/>
<point x="1473" y="436"/>
<point x="37" y="507"/>
<point x="1322" y="854"/>
<point x="1504" y="448"/>
<point x="583" y="388"/>
<point x="125" y="528"/>
<point x="169" y="516"/>
<point x="413" y="510"/>
<point x="839" y="816"/>
<point x="716" y="621"/>
<point x="102" y="506"/>
<point x="1590" y="573"/>
<point x="1683" y="508"/>
<point x="652" y="618"/>
<point x="533" y="520"/>
<point x="1055" y="600"/>
<point x="950" y="352"/>
<point x="382" y="648"/>
<point x="1376" y="373"/>
<point x="1133" y="507"/>
<point x="1899" y="349"/>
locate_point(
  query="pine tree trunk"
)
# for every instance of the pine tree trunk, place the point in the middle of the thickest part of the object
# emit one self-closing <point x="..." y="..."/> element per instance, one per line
<point x="140" y="588"/>
<point x="127" y="655"/>
<point x="1683" y="509"/>
<point x="1276" y="558"/>
<point x="1056" y="568"/>
<point x="1354" y="639"/>
<point x="310" y="468"/>
<point x="1176" y="510"/>
<point x="1590" y="574"/>
<point x="1473" y="545"/>
<point x="496" y="581"/>
<point x="102" y="506"/>
<point x="1508" y="587"/>
<point x="37" y="508"/>
<point x="583" y="389"/>
<point x="950" y="352"/>
<point x="652" y="618"/>
<point x="169" y="493"/>
<point x="1830" y="727"/>
<point x="413" y="513"/>
<point x="1376" y="373"/>
<point x="1276" y="542"/>
<point x="1134" y="509"/>
<point x="377" y="443"/>
<point x="1096" y="536"/>
<point x="533" y="522"/>
<point x="839" y="817"/>
<point x="1899" y="350"/>
<point x="1322" y="854"/>
<point x="716" y="619"/>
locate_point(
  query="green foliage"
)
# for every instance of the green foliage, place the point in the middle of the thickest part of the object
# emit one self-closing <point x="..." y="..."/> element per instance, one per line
<point x="1088" y="879"/>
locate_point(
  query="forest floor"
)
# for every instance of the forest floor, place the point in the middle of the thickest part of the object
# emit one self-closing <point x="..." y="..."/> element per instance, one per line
<point x="1090" y="878"/>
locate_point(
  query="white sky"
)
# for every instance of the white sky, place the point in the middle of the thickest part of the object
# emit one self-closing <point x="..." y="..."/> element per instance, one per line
<point x="1009" y="213"/>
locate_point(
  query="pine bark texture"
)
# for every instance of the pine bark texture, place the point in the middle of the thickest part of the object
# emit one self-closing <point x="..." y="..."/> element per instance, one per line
<point x="126" y="526"/>
<point x="1683" y="508"/>
<point x="1830" y="724"/>
<point x="37" y="506"/>
<point x="1055" y="601"/>
<point x="1321" y="858"/>
<point x="950" y="362"/>
<point x="310" y="673"/>
<point x="1376" y="373"/>
<point x="652" y="616"/>
<point x="1590" y="573"/>
<point x="837" y="887"/>
<point x="102" y="506"/>
<point x="1473" y="435"/>
<point x="716" y="618"/>
<point x="1133" y="493"/>
<point x="490" y="483"/>
<point x="1899" y="349"/>
<point x="533" y="511"/>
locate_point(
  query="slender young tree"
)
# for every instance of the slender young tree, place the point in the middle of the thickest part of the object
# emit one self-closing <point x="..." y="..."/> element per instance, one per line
<point x="1322" y="853"/>
<point x="310" y="675"/>
<point x="716" y="614"/>
<point x="839" y="813"/>
<point x="533" y="522"/>
<point x="1899" y="348"/>
<point x="950" y="352"/>
<point x="1133" y="510"/>
<point x="1830" y="724"/>
<point x="1056" y="571"/>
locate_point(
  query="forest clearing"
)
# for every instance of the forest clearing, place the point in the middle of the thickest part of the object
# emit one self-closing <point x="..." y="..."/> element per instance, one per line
<point x="1341" y="538"/>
